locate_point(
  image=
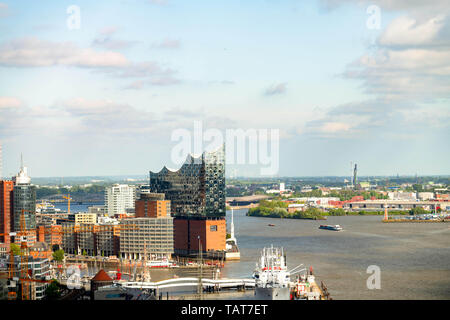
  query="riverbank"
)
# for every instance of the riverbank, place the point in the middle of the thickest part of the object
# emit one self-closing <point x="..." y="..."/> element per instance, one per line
<point x="416" y="220"/>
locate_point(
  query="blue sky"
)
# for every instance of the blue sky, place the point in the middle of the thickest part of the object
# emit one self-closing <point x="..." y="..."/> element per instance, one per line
<point x="103" y="99"/>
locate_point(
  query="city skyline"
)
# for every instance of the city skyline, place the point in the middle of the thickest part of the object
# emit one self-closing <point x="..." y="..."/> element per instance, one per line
<point x="103" y="99"/>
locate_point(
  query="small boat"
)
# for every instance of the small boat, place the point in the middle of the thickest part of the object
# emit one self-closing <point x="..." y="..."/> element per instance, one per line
<point x="333" y="228"/>
<point x="271" y="225"/>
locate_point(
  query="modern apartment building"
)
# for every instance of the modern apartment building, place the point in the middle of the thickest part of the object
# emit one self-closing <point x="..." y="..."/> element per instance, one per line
<point x="150" y="236"/>
<point x="85" y="218"/>
<point x="120" y="199"/>
<point x="38" y="268"/>
<point x="50" y="234"/>
<point x="91" y="239"/>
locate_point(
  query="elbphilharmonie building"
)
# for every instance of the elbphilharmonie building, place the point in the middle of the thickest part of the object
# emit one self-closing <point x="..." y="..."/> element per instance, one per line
<point x="197" y="189"/>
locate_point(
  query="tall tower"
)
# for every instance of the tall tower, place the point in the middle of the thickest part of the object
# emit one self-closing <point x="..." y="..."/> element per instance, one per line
<point x="351" y="174"/>
<point x="6" y="214"/>
<point x="355" y="171"/>
<point x="24" y="199"/>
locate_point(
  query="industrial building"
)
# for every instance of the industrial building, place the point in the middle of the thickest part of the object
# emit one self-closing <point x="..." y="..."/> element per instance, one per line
<point x="379" y="205"/>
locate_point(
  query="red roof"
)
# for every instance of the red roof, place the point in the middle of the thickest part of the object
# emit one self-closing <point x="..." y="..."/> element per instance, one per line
<point x="102" y="276"/>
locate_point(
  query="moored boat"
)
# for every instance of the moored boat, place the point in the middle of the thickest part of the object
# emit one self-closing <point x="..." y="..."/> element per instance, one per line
<point x="272" y="278"/>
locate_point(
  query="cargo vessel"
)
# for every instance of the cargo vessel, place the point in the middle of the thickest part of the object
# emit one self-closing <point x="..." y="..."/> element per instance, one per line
<point x="272" y="279"/>
<point x="333" y="228"/>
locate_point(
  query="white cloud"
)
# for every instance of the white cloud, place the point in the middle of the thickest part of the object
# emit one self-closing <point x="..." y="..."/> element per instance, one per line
<point x="10" y="102"/>
<point x="106" y="40"/>
<point x="418" y="6"/>
<point x="167" y="44"/>
<point x="158" y="2"/>
<point x="32" y="52"/>
<point x="4" y="10"/>
<point x="107" y="31"/>
<point x="406" y="31"/>
<point x="279" y="88"/>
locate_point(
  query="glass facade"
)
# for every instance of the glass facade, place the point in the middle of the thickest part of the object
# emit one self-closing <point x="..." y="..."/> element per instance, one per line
<point x="197" y="189"/>
<point x="24" y="199"/>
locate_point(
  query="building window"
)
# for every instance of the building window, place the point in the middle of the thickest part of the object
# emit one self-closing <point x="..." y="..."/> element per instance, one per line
<point x="213" y="228"/>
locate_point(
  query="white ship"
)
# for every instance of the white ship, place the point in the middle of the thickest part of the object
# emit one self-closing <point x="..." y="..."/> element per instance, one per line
<point x="272" y="279"/>
<point x="46" y="208"/>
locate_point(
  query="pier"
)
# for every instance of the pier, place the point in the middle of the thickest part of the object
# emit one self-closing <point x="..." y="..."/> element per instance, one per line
<point x="207" y="284"/>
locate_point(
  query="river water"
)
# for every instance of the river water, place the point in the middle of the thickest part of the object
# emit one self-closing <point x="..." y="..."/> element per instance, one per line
<point x="414" y="258"/>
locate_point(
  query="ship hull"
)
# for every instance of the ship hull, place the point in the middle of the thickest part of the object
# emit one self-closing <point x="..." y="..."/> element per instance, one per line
<point x="272" y="293"/>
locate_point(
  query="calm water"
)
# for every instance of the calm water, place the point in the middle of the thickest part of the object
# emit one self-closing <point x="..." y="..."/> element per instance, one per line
<point x="75" y="208"/>
<point x="414" y="258"/>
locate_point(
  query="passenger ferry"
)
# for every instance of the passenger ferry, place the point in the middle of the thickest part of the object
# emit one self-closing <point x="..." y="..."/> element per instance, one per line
<point x="333" y="228"/>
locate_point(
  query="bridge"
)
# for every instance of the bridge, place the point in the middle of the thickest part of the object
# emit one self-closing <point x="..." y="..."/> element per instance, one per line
<point x="191" y="282"/>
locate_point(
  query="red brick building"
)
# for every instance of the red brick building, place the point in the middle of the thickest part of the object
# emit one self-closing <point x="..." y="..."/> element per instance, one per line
<point x="212" y="233"/>
<point x="6" y="210"/>
<point x="51" y="235"/>
<point x="152" y="208"/>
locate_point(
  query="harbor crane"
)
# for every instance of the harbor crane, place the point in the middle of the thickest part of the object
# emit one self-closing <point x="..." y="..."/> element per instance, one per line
<point x="68" y="198"/>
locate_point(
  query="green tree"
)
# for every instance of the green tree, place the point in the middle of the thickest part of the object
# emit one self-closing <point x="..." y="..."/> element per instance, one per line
<point x="337" y="212"/>
<point x="53" y="291"/>
<point x="15" y="249"/>
<point x="58" y="255"/>
<point x="417" y="210"/>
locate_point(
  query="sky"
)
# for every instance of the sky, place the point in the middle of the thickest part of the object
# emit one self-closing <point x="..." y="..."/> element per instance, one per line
<point x="91" y="88"/>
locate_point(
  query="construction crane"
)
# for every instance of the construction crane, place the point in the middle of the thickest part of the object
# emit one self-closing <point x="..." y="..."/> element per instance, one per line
<point x="24" y="276"/>
<point x="24" y="252"/>
<point x="68" y="198"/>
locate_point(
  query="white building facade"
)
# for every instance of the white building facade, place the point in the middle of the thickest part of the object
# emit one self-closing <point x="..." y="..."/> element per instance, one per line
<point x="119" y="199"/>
